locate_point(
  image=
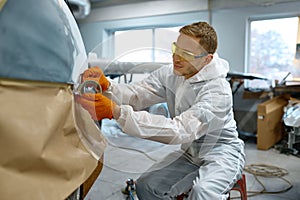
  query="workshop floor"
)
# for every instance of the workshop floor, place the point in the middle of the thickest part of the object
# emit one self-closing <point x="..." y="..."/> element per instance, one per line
<point x="128" y="157"/>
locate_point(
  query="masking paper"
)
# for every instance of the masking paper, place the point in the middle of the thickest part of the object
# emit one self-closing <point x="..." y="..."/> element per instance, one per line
<point x="43" y="152"/>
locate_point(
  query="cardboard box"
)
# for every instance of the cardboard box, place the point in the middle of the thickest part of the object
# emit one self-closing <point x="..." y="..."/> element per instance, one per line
<point x="269" y="122"/>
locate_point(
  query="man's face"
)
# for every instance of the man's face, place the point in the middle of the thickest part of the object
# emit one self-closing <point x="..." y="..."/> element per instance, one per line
<point x="188" y="56"/>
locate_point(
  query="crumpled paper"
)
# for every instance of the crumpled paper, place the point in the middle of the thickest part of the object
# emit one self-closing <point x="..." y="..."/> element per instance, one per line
<point x="49" y="145"/>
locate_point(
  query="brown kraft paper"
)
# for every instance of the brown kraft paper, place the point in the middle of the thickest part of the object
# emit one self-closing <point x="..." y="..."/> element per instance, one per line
<point x="43" y="152"/>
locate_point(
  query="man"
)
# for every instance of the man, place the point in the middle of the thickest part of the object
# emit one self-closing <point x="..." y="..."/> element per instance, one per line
<point x="200" y="104"/>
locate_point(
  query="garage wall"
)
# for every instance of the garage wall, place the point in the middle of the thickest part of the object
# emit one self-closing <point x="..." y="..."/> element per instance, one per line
<point x="230" y="24"/>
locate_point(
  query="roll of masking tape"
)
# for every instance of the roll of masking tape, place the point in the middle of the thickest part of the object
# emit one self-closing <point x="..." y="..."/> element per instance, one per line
<point x="89" y="86"/>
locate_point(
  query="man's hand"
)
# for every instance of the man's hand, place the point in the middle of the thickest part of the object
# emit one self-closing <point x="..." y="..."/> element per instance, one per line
<point x="97" y="105"/>
<point x="96" y="74"/>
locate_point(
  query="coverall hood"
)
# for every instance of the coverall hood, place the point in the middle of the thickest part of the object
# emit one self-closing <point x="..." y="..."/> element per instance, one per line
<point x="218" y="67"/>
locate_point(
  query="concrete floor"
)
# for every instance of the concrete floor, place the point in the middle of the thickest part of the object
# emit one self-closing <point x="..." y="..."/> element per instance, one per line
<point x="128" y="157"/>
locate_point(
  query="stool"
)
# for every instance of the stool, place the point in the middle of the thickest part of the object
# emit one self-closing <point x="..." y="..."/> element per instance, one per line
<point x="240" y="186"/>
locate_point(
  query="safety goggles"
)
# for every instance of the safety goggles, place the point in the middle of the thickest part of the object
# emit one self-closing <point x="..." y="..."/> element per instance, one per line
<point x="189" y="56"/>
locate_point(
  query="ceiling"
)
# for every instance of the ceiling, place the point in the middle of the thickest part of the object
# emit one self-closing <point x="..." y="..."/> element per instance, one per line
<point x="214" y="4"/>
<point x="82" y="8"/>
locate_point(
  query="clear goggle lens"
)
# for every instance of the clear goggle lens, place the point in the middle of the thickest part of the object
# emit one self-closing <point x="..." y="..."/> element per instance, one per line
<point x="189" y="56"/>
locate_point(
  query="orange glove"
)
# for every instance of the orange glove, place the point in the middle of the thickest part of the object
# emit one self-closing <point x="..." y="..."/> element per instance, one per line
<point x="96" y="74"/>
<point x="97" y="105"/>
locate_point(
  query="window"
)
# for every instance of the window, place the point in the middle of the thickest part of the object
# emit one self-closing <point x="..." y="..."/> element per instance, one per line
<point x="273" y="49"/>
<point x="146" y="45"/>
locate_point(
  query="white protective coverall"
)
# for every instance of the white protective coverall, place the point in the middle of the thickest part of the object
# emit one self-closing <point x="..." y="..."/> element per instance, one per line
<point x="201" y="120"/>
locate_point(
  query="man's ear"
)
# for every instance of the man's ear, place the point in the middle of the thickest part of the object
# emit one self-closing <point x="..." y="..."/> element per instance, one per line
<point x="208" y="58"/>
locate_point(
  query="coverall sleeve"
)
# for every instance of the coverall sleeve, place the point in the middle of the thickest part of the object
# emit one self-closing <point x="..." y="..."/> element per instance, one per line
<point x="208" y="115"/>
<point x="139" y="95"/>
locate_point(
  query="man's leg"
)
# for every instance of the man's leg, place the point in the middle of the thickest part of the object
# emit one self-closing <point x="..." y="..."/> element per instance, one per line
<point x="221" y="168"/>
<point x="167" y="179"/>
<point x="213" y="179"/>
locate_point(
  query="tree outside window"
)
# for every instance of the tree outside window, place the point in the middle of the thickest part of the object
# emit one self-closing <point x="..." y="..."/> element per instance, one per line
<point x="273" y="48"/>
